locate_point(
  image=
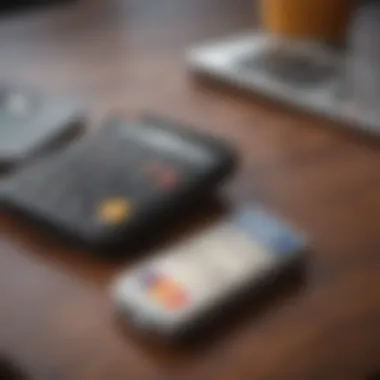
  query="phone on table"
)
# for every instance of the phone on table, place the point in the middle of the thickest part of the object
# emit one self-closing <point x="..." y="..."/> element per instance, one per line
<point x="121" y="184"/>
<point x="31" y="122"/>
<point x="174" y="291"/>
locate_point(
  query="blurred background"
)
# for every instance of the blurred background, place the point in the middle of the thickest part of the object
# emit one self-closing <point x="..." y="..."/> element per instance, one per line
<point x="130" y="55"/>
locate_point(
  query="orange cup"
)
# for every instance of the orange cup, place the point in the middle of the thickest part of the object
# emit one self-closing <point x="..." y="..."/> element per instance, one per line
<point x="325" y="20"/>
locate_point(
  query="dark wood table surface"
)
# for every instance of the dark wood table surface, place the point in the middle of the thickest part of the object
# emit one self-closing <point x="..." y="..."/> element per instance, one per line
<point x="56" y="319"/>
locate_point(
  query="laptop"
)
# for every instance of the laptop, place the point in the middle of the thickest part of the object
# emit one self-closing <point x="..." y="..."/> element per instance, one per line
<point x="342" y="85"/>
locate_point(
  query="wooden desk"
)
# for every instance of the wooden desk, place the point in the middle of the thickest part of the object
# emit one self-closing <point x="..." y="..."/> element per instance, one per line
<point x="55" y="316"/>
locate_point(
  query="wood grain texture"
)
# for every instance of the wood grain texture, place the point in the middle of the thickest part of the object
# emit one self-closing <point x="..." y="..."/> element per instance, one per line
<point x="56" y="320"/>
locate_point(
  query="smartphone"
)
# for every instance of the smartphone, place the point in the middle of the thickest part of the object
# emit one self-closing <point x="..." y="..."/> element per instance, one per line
<point x="173" y="291"/>
<point x="120" y="185"/>
<point x="31" y="122"/>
